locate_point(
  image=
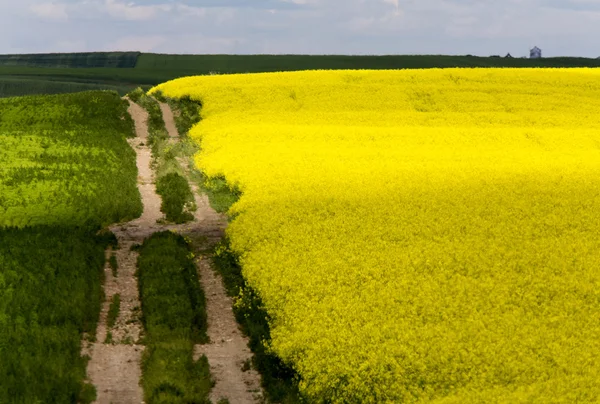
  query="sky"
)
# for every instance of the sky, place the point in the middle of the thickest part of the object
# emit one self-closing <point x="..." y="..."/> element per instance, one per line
<point x="357" y="27"/>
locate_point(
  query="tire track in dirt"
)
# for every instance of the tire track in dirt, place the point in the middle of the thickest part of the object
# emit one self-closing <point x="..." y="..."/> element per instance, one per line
<point x="167" y="114"/>
<point x="115" y="368"/>
<point x="227" y="352"/>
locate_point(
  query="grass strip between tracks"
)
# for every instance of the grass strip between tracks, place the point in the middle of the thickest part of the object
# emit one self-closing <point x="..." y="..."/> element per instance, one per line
<point x="174" y="317"/>
<point x="171" y="185"/>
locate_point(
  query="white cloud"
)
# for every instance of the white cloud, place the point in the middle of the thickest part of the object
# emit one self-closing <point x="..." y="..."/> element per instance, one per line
<point x="393" y="3"/>
<point x="217" y="45"/>
<point x="298" y="2"/>
<point x="479" y="27"/>
<point x="137" y="43"/>
<point x="71" y="45"/>
<point x="188" y="11"/>
<point x="133" y="12"/>
<point x="50" y="11"/>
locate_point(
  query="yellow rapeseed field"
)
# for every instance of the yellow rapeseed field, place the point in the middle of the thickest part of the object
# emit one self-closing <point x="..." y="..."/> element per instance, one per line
<point x="429" y="236"/>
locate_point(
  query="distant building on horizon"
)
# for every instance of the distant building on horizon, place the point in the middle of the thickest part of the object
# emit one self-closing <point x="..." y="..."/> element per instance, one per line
<point x="535" y="53"/>
<point x="508" y="55"/>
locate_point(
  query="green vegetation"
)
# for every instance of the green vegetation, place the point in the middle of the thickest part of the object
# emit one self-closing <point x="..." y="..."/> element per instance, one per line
<point x="103" y="75"/>
<point x="85" y="59"/>
<point x="138" y="96"/>
<point x="114" y="265"/>
<point x="170" y="375"/>
<point x="172" y="301"/>
<point x="187" y="114"/>
<point x="152" y="69"/>
<point x="157" y="133"/>
<point x="17" y="80"/>
<point x="185" y="111"/>
<point x="206" y="64"/>
<point x="176" y="196"/>
<point x="221" y="195"/>
<point x="50" y="293"/>
<point x="174" y="317"/>
<point x="64" y="158"/>
<point x="171" y="184"/>
<point x="60" y="79"/>
<point x="14" y="87"/>
<point x="113" y="310"/>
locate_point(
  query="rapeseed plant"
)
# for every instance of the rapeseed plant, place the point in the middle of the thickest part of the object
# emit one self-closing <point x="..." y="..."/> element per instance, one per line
<point x="416" y="236"/>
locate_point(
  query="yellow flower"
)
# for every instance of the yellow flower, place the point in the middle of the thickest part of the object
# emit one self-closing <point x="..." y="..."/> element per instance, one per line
<point x="417" y="235"/>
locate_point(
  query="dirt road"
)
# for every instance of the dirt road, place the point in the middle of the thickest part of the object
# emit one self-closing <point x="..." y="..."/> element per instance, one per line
<point x="114" y="367"/>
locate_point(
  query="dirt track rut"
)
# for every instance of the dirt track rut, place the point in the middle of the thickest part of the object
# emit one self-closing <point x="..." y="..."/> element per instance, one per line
<point x="228" y="349"/>
<point x="114" y="367"/>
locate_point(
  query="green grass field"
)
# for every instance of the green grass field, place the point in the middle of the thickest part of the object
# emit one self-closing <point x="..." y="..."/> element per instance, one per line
<point x="86" y="59"/>
<point x="174" y="317"/>
<point x="122" y="72"/>
<point x="204" y="64"/>
<point x="50" y="294"/>
<point x="64" y="157"/>
<point x="64" y="160"/>
<point x="19" y="86"/>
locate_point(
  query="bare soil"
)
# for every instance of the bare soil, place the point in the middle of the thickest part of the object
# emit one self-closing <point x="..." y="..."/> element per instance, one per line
<point x="114" y="367"/>
<point x="228" y="353"/>
<point x="167" y="114"/>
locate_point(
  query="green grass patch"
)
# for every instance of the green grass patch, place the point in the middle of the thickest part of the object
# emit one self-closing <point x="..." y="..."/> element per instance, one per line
<point x="81" y="59"/>
<point x="113" y="310"/>
<point x="176" y="197"/>
<point x="172" y="300"/>
<point x="14" y="87"/>
<point x="136" y="95"/>
<point x="50" y="294"/>
<point x="114" y="265"/>
<point x="65" y="158"/>
<point x="188" y="114"/>
<point x="221" y="195"/>
<point x="170" y="376"/>
<point x="185" y="111"/>
<point x="174" y="317"/>
<point x="207" y="64"/>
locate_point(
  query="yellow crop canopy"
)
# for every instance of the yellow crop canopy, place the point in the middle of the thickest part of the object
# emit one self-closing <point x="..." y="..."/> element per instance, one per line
<point x="417" y="235"/>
